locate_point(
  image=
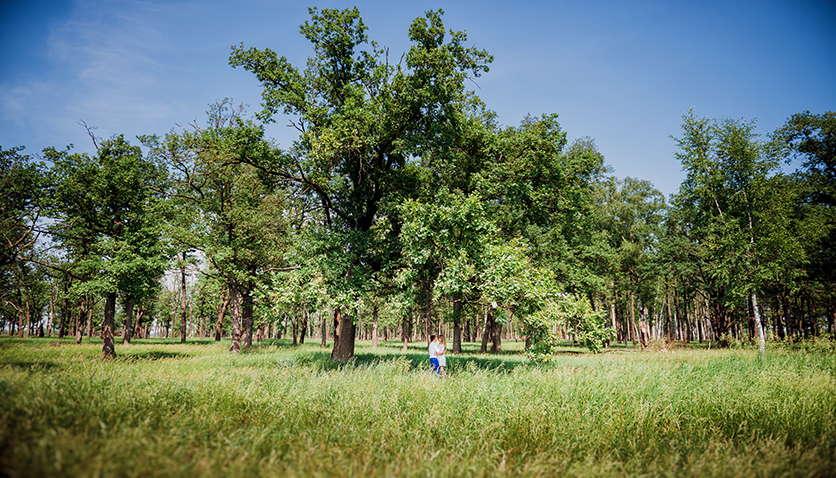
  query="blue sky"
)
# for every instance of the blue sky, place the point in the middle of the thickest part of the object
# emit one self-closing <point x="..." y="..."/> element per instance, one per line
<point x="621" y="72"/>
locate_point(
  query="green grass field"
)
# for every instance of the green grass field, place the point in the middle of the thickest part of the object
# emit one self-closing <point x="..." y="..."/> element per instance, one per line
<point x="165" y="409"/>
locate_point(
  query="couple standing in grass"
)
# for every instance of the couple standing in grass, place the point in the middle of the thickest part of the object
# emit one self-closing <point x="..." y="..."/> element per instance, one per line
<point x="438" y="359"/>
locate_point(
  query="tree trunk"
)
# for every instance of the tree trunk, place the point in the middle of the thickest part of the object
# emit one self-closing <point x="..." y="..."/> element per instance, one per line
<point x="221" y="313"/>
<point x="247" y="318"/>
<point x="785" y="306"/>
<point x="108" y="347"/>
<point x="304" y="327"/>
<point x="21" y="326"/>
<point x="79" y="320"/>
<point x="719" y="321"/>
<point x="295" y="327"/>
<point x="52" y="294"/>
<point x="235" y="302"/>
<point x="90" y="318"/>
<point x="374" y="326"/>
<point x="486" y="331"/>
<point x="634" y="331"/>
<point x="405" y="326"/>
<point x="758" y="325"/>
<point x="28" y="312"/>
<point x="63" y="321"/>
<point x="129" y="316"/>
<point x="777" y="321"/>
<point x="139" y="330"/>
<point x="183" y="299"/>
<point x="457" y="326"/>
<point x="496" y="335"/>
<point x="324" y="331"/>
<point x="344" y="337"/>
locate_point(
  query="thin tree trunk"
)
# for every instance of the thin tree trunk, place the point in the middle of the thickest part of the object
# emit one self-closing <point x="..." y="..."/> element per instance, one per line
<point x="758" y="326"/>
<point x="138" y="330"/>
<point x="90" y="318"/>
<point x="247" y="318"/>
<point x="634" y="331"/>
<point x="496" y="335"/>
<point x="219" y="323"/>
<point x="79" y="324"/>
<point x="235" y="302"/>
<point x="129" y="315"/>
<point x="295" y="327"/>
<point x="63" y="321"/>
<point x="374" y="326"/>
<point x="28" y="312"/>
<point x="457" y="326"/>
<point x="108" y="347"/>
<point x="304" y="330"/>
<point x="323" y="330"/>
<point x="487" y="326"/>
<point x="405" y="326"/>
<point x="785" y="306"/>
<point x="52" y="295"/>
<point x="183" y="323"/>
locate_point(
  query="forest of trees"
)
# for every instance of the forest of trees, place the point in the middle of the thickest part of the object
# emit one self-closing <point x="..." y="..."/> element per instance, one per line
<point x="404" y="208"/>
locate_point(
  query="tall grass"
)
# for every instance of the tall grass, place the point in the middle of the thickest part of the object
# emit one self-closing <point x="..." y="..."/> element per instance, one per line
<point x="165" y="409"/>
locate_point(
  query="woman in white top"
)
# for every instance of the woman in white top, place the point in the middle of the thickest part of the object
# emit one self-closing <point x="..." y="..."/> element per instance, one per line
<point x="440" y="353"/>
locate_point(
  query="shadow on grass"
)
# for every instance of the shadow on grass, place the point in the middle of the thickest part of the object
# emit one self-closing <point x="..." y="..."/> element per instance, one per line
<point x="150" y="355"/>
<point x="29" y="366"/>
<point x="321" y="360"/>
<point x="175" y="341"/>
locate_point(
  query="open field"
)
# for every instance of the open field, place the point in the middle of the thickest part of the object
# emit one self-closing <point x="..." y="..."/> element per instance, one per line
<point x="165" y="409"/>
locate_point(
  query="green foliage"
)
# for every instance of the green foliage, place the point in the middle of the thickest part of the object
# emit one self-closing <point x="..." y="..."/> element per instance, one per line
<point x="726" y="211"/>
<point x="23" y="183"/>
<point x="572" y="313"/>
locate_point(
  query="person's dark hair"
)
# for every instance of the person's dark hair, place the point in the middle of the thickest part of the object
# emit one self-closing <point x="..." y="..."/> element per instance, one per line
<point x="432" y="337"/>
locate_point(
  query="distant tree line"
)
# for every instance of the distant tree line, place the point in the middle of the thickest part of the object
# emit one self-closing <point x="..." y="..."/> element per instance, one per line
<point x="403" y="208"/>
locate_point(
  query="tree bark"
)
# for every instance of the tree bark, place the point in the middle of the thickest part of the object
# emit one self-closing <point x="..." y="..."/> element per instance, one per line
<point x="758" y="326"/>
<point x="486" y="332"/>
<point x="79" y="320"/>
<point x="344" y="338"/>
<point x="247" y="318"/>
<point x="90" y="318"/>
<point x="407" y="318"/>
<point x="457" y="326"/>
<point x="221" y="313"/>
<point x="295" y="327"/>
<point x="183" y="299"/>
<point x="374" y="326"/>
<point x="324" y="331"/>
<point x="719" y="321"/>
<point x="108" y="347"/>
<point x="129" y="315"/>
<point x="235" y="302"/>
<point x="304" y="328"/>
<point x="496" y="335"/>
<point x="63" y="321"/>
<point x="138" y="330"/>
<point x="785" y="306"/>
<point x="634" y="331"/>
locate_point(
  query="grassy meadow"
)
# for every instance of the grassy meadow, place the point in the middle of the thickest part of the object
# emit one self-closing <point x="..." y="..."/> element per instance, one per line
<point x="162" y="408"/>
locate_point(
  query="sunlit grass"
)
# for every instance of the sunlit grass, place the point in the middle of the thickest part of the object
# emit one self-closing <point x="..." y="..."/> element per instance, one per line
<point x="168" y="409"/>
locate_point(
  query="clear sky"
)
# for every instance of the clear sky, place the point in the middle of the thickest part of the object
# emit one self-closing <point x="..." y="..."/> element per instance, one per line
<point x="622" y="72"/>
